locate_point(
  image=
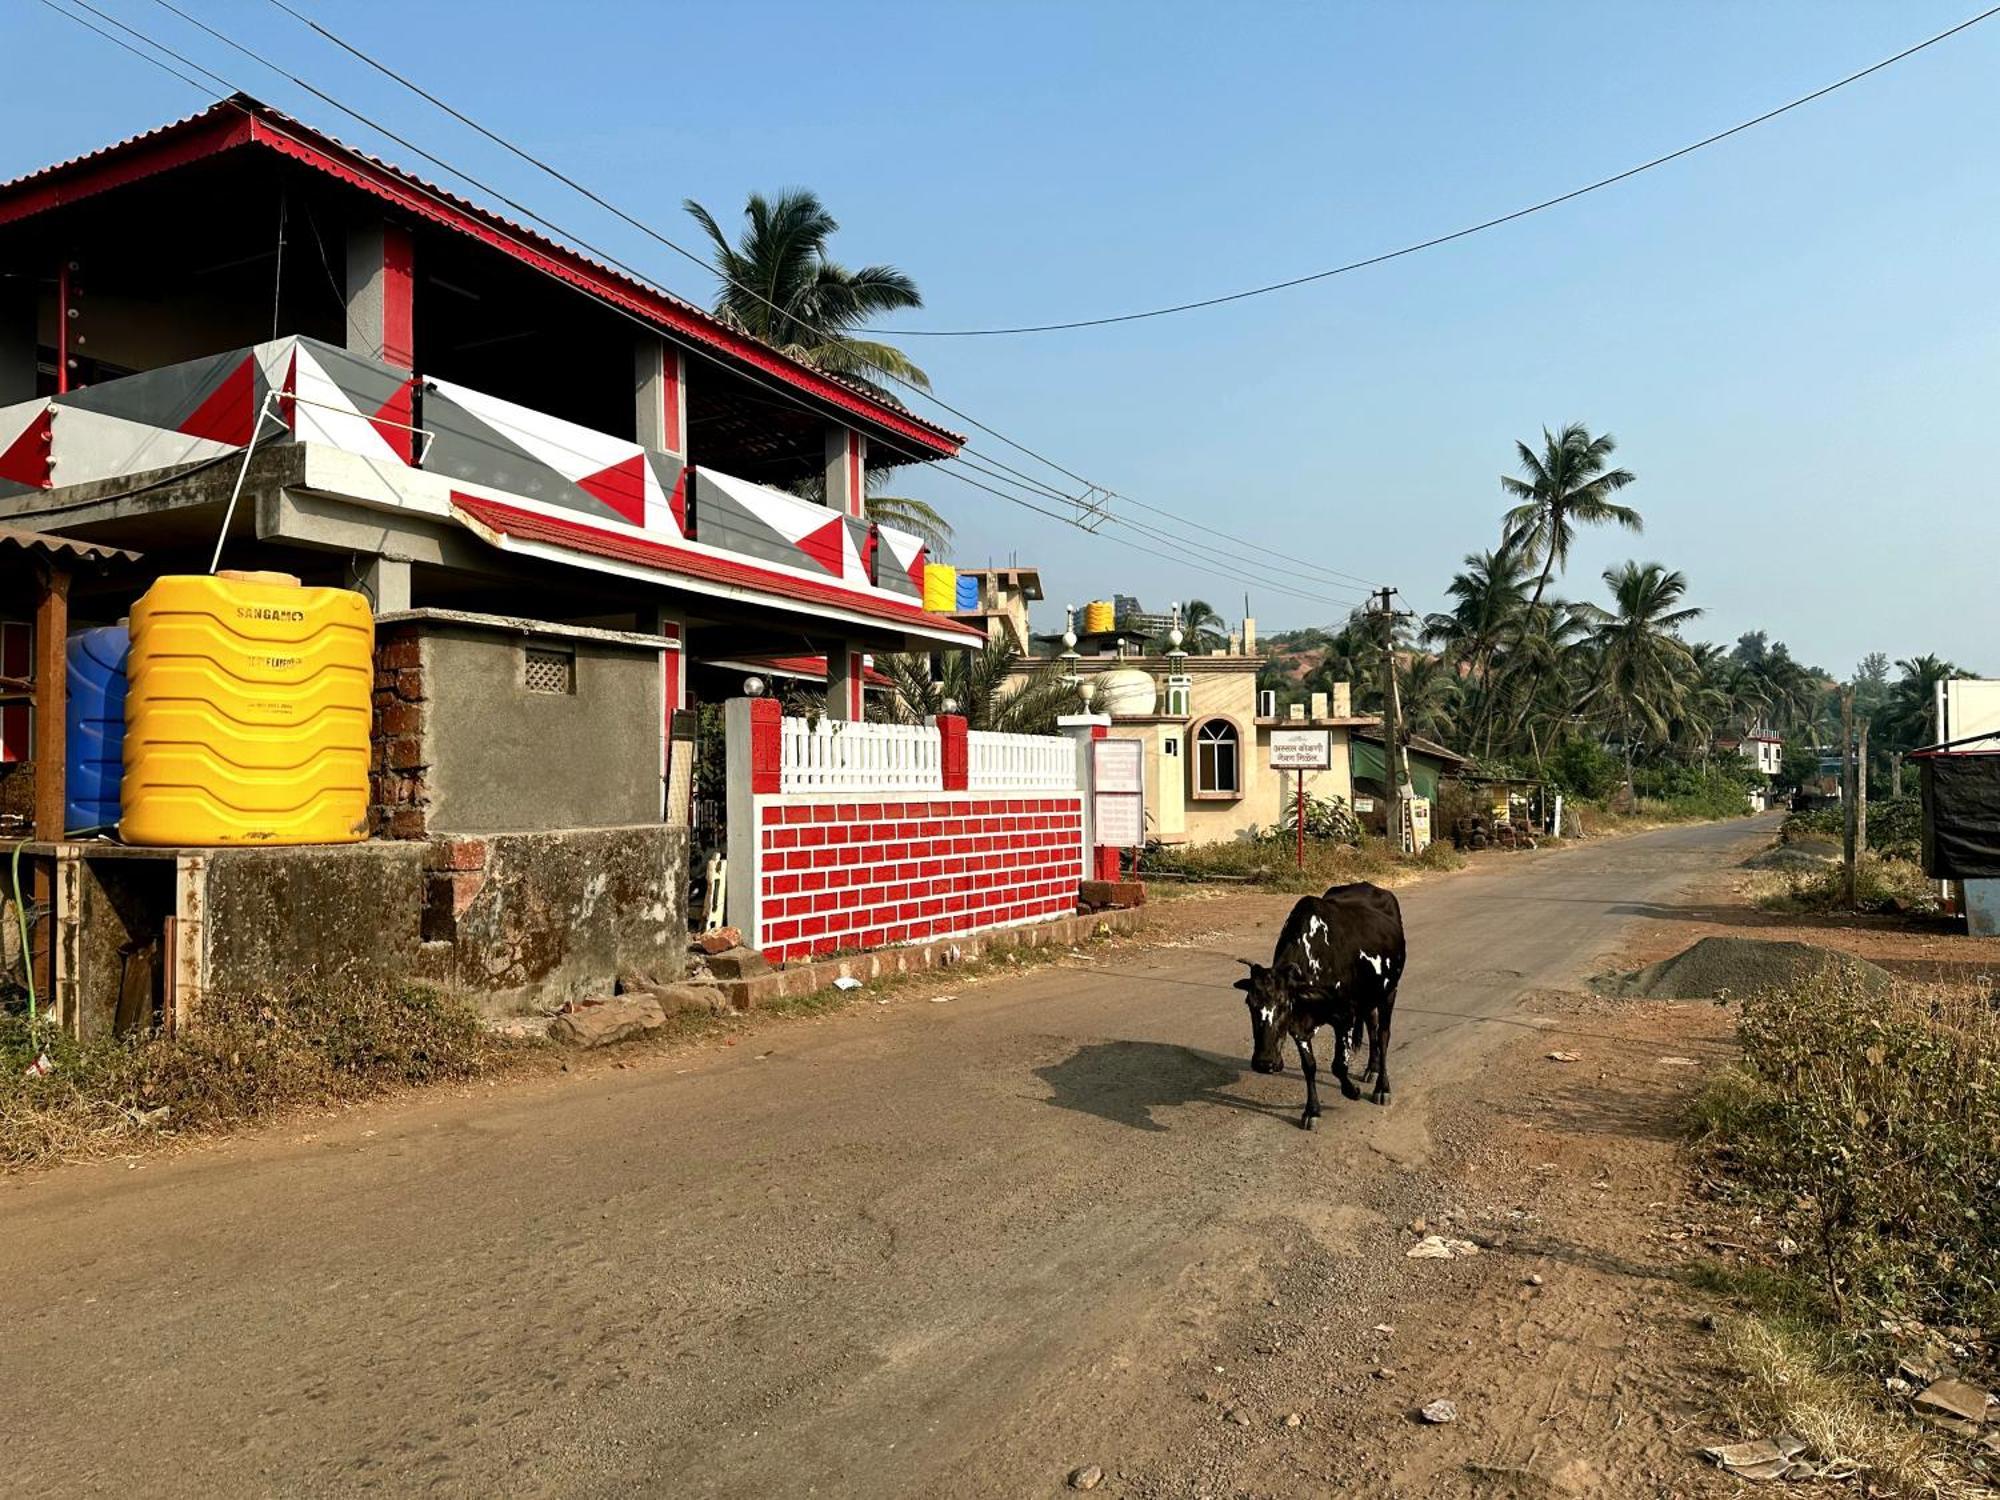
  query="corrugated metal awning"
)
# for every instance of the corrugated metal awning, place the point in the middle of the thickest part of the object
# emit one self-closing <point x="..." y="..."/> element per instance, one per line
<point x="48" y="544"/>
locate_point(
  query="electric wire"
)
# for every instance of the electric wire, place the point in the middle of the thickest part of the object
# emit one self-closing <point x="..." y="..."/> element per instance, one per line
<point x="707" y="265"/>
<point x="1471" y="229"/>
<point x="1202" y="552"/>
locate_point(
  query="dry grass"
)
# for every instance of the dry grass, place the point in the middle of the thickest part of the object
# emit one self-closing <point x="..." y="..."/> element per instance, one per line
<point x="254" y="1057"/>
<point x="1880" y="885"/>
<point x="1793" y="1381"/>
<point x="1273" y="864"/>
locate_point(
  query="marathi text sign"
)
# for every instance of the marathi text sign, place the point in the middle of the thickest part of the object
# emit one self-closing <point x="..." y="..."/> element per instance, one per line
<point x="1301" y="750"/>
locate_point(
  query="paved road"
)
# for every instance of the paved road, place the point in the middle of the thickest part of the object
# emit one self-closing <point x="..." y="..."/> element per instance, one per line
<point x="917" y="1249"/>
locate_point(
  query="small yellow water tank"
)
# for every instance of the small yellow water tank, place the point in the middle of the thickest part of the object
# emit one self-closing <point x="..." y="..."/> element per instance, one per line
<point x="940" y="588"/>
<point x="248" y="712"/>
<point x="1100" y="617"/>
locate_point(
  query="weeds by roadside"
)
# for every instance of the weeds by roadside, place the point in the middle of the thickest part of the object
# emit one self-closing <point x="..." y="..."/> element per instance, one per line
<point x="1880" y="885"/>
<point x="1271" y="862"/>
<point x="252" y="1057"/>
<point x="1863" y="1131"/>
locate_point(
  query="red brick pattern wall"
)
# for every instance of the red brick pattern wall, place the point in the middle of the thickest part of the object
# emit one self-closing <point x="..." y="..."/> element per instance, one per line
<point x="836" y="875"/>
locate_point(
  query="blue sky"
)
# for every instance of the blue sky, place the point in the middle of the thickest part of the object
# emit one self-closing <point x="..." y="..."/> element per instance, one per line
<point x="1792" y="334"/>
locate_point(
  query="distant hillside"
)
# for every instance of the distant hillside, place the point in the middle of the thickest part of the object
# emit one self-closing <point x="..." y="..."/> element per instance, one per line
<point x="1290" y="656"/>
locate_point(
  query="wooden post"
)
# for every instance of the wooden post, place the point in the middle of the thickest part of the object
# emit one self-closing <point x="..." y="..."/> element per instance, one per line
<point x="1848" y="799"/>
<point x="51" y="721"/>
<point x="1895" y="773"/>
<point x="1392" y="720"/>
<point x="1861" y="787"/>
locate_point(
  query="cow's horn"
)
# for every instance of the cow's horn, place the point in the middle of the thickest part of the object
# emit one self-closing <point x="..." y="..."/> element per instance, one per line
<point x="1247" y="963"/>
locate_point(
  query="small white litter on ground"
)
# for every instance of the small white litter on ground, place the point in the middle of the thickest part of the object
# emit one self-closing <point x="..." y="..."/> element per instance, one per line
<point x="1437" y="1247"/>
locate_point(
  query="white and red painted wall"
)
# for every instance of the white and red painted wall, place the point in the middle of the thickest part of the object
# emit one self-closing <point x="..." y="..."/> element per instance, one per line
<point x="850" y="836"/>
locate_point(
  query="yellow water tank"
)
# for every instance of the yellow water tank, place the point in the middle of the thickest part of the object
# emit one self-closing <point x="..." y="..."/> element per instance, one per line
<point x="940" y="588"/>
<point x="1100" y="617"/>
<point x="247" y="713"/>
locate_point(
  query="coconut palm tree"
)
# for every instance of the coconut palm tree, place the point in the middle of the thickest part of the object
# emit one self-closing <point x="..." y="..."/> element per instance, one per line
<point x="1910" y="710"/>
<point x="1568" y="484"/>
<point x="983" y="686"/>
<point x="1431" y="695"/>
<point x="779" y="285"/>
<point x="1642" y="663"/>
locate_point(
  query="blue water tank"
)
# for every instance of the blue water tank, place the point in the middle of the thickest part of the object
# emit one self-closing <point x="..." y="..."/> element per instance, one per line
<point x="96" y="748"/>
<point x="968" y="593"/>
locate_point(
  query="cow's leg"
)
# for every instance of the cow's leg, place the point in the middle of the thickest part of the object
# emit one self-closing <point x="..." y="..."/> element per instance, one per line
<point x="1388" y="1011"/>
<point x="1311" y="1069"/>
<point x="1341" y="1037"/>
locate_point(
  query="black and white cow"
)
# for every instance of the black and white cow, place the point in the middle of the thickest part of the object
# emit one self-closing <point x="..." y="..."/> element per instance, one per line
<point x="1337" y="964"/>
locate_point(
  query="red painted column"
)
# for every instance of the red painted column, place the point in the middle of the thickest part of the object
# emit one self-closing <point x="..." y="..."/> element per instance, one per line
<point x="767" y="752"/>
<point x="954" y="752"/>
<point x="381" y="317"/>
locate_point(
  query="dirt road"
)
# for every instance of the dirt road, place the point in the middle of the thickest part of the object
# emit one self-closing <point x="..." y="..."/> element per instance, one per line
<point x="914" y="1249"/>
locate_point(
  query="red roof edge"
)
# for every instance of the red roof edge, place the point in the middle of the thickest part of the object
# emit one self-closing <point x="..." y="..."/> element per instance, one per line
<point x="534" y="526"/>
<point x="242" y="120"/>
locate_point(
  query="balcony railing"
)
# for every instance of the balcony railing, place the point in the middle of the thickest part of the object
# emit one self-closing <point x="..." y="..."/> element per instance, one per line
<point x="303" y="391"/>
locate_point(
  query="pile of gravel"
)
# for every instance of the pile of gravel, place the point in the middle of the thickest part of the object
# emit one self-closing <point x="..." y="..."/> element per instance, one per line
<point x="1745" y="966"/>
<point x="1804" y="855"/>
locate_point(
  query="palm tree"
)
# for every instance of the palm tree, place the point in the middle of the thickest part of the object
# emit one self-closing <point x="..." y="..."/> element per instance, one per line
<point x="1910" y="710"/>
<point x="1642" y="663"/>
<point x="1490" y="596"/>
<point x="983" y="686"/>
<point x="1566" y="485"/>
<point x="1430" y="693"/>
<point x="779" y="285"/>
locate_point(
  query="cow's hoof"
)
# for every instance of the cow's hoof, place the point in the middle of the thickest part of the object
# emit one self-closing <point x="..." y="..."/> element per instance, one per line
<point x="1307" y="1122"/>
<point x="1381" y="1096"/>
<point x="1349" y="1090"/>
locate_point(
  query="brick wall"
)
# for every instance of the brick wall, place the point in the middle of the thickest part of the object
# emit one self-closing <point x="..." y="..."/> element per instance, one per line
<point x="846" y="874"/>
<point x="398" y="793"/>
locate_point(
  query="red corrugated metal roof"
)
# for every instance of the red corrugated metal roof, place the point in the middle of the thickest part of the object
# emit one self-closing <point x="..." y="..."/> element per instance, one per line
<point x="223" y="125"/>
<point x="664" y="557"/>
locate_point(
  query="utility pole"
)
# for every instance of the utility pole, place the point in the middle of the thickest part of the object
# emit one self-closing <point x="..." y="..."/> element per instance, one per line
<point x="1849" y="797"/>
<point x="1395" y="759"/>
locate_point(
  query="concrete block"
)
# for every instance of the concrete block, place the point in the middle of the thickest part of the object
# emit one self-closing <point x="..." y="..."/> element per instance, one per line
<point x="738" y="963"/>
<point x="1097" y="895"/>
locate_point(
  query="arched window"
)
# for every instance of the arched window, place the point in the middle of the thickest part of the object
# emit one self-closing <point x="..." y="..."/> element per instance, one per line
<point x="1218" y="759"/>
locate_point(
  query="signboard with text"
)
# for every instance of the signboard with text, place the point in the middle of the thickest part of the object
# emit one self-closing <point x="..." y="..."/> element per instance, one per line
<point x="1118" y="793"/>
<point x="1300" y="750"/>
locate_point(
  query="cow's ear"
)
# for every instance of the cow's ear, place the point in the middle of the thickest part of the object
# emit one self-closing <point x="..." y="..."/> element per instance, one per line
<point x="1244" y="984"/>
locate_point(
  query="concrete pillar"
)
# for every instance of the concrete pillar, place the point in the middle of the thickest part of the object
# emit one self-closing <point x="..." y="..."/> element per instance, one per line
<point x="659" y="392"/>
<point x="846" y="471"/>
<point x="844" y="668"/>
<point x="1083" y="728"/>
<point x="18" y="339"/>
<point x="386" y="581"/>
<point x="381" y="284"/>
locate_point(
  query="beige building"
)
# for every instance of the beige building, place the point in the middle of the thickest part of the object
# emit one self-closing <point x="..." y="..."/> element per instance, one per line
<point x="1209" y="777"/>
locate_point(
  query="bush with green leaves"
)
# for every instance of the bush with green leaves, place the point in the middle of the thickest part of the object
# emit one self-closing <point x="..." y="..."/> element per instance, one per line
<point x="1869" y="1124"/>
<point x="1584" y="768"/>
<point x="1326" y="818"/>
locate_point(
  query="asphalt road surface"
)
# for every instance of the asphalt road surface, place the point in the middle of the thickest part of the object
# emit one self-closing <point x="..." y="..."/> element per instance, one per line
<point x="919" y="1249"/>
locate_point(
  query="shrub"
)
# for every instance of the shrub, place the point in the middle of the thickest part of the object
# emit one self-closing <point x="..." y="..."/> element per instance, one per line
<point x="1880" y="885"/>
<point x="1326" y="818"/>
<point x="1584" y="768"/>
<point x="1870" y="1125"/>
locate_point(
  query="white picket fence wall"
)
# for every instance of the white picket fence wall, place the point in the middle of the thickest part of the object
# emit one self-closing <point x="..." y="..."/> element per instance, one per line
<point x="1020" y="762"/>
<point x="832" y="756"/>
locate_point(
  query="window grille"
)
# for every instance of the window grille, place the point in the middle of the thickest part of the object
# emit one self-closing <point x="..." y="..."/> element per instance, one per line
<point x="547" y="671"/>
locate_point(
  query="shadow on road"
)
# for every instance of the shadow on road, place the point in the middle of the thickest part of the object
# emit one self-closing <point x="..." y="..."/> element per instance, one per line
<point x="1124" y="1082"/>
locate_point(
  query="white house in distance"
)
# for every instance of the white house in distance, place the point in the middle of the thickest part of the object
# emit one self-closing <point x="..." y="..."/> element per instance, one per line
<point x="1763" y="749"/>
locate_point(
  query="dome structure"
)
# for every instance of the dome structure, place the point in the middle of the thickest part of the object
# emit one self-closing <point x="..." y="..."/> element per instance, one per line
<point x="1125" y="692"/>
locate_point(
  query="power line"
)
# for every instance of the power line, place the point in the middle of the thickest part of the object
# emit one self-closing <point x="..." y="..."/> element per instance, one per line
<point x="1456" y="234"/>
<point x="702" y="261"/>
<point x="222" y="81"/>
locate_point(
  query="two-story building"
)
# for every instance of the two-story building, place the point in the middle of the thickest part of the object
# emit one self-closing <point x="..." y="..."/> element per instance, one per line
<point x="402" y="391"/>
